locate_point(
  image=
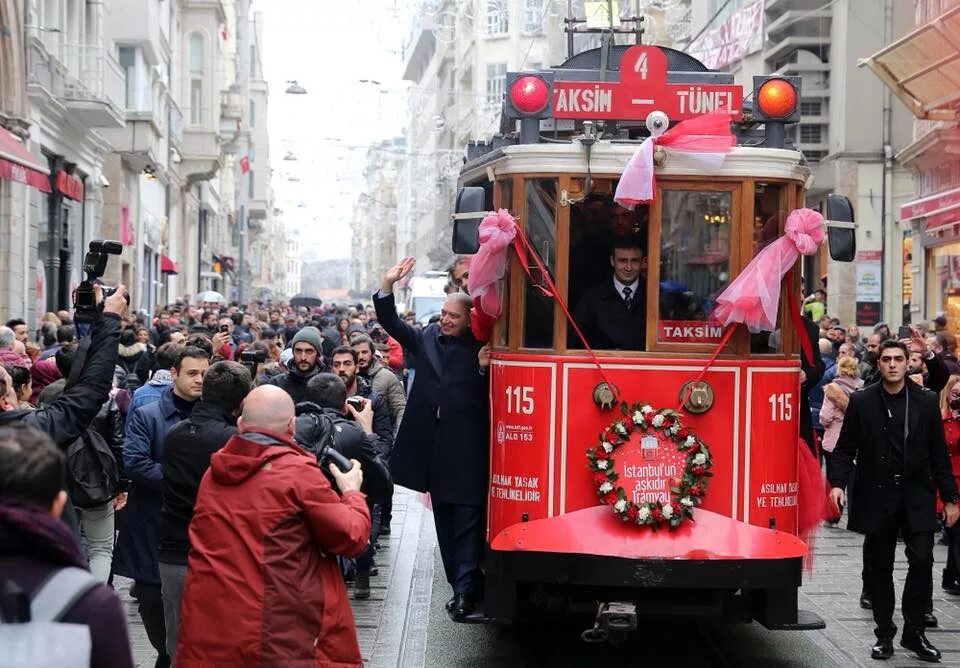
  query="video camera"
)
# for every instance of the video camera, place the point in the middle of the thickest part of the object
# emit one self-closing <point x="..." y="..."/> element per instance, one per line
<point x="252" y="359"/>
<point x="84" y="298"/>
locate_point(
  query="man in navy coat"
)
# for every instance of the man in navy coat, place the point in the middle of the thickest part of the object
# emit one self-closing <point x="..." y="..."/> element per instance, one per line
<point x="442" y="444"/>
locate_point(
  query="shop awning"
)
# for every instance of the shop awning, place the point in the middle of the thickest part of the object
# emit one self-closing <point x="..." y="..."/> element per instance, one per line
<point x="168" y="266"/>
<point x="18" y="164"/>
<point x="937" y="211"/>
<point x="923" y="67"/>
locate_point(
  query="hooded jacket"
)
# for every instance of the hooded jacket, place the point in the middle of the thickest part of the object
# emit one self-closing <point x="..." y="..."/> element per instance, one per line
<point x="265" y="531"/>
<point x="33" y="546"/>
<point x="836" y="396"/>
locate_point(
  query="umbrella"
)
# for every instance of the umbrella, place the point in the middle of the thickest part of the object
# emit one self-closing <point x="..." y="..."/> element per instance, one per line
<point x="305" y="300"/>
<point x="210" y="296"/>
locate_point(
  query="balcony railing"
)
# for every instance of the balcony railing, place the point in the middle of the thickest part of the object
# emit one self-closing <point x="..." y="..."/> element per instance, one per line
<point x="95" y="75"/>
<point x="87" y="78"/>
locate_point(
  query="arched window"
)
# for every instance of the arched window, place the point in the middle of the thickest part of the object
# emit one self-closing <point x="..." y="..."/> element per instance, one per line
<point x="196" y="79"/>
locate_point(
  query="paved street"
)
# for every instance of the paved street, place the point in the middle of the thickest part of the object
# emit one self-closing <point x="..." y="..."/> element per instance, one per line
<point x="404" y="624"/>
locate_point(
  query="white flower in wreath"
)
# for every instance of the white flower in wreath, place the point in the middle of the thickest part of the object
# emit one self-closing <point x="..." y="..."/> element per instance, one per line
<point x="687" y="501"/>
<point x="637" y="417"/>
<point x="602" y="464"/>
<point x="607" y="447"/>
<point x="621" y="505"/>
<point x="605" y="486"/>
<point x="646" y="408"/>
<point x="643" y="513"/>
<point x="674" y="429"/>
<point x="691" y="440"/>
<point x="667" y="511"/>
<point x="657" y="421"/>
<point x="620" y="429"/>
<point x="699" y="459"/>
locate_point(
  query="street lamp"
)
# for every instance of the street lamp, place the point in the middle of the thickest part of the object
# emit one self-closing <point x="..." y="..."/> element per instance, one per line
<point x="294" y="88"/>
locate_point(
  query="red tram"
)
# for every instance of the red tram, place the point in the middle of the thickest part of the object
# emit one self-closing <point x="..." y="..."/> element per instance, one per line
<point x="551" y="546"/>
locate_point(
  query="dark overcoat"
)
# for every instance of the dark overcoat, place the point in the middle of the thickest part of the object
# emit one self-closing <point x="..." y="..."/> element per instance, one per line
<point x="863" y="447"/>
<point x="442" y="446"/>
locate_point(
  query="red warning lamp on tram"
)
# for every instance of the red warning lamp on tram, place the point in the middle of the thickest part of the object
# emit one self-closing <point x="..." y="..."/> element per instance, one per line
<point x="528" y="95"/>
<point x="776" y="99"/>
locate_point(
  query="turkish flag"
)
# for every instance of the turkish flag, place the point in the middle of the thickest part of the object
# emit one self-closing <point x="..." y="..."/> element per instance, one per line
<point x="244" y="165"/>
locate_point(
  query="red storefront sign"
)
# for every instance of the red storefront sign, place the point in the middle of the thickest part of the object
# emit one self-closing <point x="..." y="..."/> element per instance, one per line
<point x="70" y="186"/>
<point x="937" y="210"/>
<point x="18" y="164"/>
<point x="642" y="88"/>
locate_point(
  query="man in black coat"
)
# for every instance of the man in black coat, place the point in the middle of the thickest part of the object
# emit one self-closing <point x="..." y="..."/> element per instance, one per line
<point x="355" y="436"/>
<point x="893" y="438"/>
<point x="613" y="313"/>
<point x="187" y="448"/>
<point x="442" y="446"/>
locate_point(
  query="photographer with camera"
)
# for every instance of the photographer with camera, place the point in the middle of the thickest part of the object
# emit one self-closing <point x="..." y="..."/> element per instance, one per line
<point x="263" y="586"/>
<point x="325" y="420"/>
<point x="88" y="388"/>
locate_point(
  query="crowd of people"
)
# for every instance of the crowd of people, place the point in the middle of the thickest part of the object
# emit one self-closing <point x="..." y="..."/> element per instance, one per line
<point x="221" y="456"/>
<point x="246" y="455"/>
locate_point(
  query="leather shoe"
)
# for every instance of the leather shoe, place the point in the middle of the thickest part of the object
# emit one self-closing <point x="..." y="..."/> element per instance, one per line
<point x="951" y="588"/>
<point x="462" y="607"/>
<point x="448" y="606"/>
<point x="919" y="645"/>
<point x="930" y="620"/>
<point x="883" y="649"/>
<point x="865" y="601"/>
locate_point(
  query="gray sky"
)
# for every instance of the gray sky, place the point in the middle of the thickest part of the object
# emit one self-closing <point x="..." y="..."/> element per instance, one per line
<point x="328" y="47"/>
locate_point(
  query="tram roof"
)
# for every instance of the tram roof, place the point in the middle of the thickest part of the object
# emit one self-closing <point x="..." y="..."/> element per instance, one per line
<point x="610" y="157"/>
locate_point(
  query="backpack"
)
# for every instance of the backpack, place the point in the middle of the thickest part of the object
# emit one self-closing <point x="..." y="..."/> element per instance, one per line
<point x="93" y="476"/>
<point x="325" y="426"/>
<point x="35" y="636"/>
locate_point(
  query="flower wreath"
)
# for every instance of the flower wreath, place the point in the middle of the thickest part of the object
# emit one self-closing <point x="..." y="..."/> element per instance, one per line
<point x="685" y="491"/>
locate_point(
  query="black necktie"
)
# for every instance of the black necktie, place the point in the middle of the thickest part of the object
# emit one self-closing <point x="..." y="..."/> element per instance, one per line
<point x="627" y="294"/>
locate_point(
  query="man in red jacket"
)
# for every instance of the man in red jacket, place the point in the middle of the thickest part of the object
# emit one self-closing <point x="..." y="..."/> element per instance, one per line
<point x="263" y="587"/>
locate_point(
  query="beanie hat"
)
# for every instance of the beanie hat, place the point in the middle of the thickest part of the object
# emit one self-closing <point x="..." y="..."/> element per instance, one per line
<point x="309" y="335"/>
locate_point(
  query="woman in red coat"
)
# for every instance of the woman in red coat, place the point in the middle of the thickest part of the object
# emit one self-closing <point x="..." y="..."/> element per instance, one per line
<point x="950" y="409"/>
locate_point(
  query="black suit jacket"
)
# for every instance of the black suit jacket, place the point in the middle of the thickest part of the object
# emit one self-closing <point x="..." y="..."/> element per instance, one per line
<point x="607" y="322"/>
<point x="863" y="447"/>
<point x="442" y="446"/>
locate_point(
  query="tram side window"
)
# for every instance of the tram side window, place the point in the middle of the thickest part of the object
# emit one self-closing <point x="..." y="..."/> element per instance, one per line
<point x="768" y="219"/>
<point x="608" y="252"/>
<point x="694" y="263"/>
<point x="540" y="206"/>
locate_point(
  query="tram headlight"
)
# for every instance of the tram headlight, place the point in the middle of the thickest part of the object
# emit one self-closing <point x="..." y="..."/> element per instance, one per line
<point x="776" y="98"/>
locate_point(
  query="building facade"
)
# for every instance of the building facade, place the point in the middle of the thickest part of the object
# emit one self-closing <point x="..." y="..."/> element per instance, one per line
<point x="138" y="117"/>
<point x="915" y="68"/>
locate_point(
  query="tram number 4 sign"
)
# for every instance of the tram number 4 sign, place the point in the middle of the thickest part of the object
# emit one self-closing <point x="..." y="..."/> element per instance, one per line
<point x="642" y="88"/>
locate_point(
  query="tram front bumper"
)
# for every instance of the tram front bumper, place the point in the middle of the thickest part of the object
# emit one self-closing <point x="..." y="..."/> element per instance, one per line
<point x="699" y="568"/>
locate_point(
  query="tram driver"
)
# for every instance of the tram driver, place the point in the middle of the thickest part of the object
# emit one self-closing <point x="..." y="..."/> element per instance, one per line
<point x="612" y="314"/>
